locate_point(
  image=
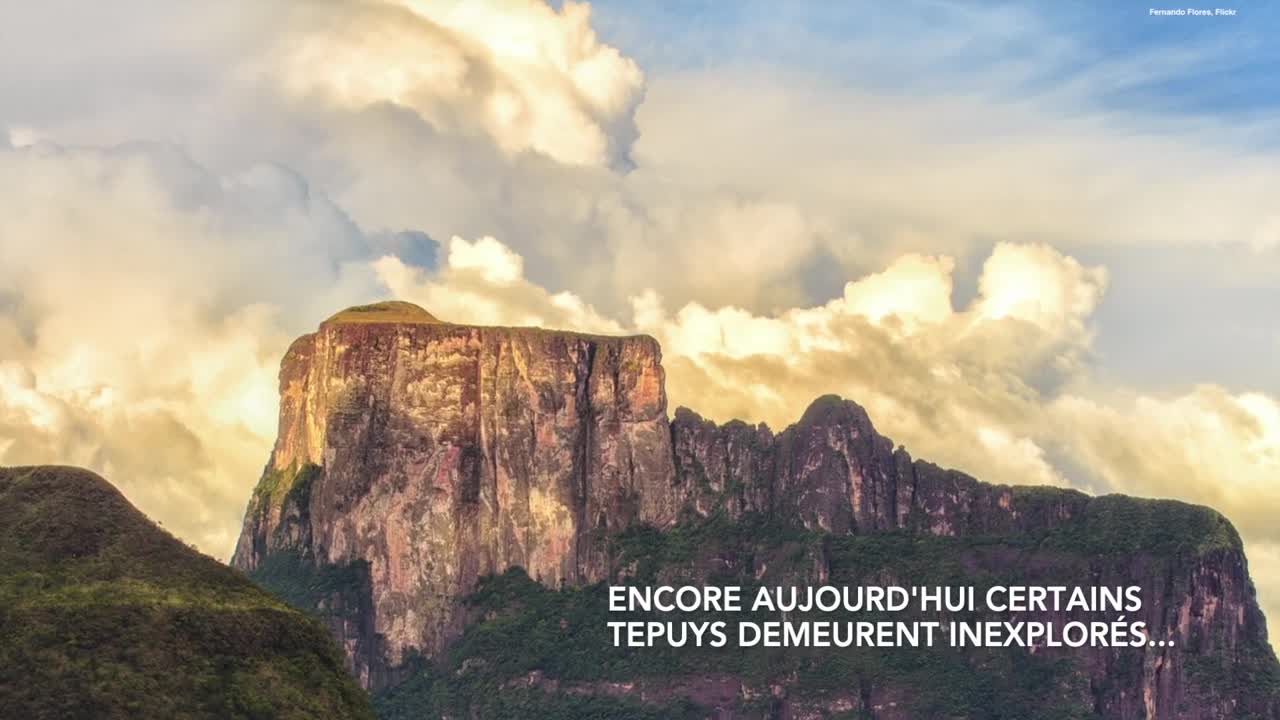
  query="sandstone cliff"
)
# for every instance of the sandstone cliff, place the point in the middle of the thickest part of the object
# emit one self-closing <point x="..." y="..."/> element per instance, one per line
<point x="833" y="472"/>
<point x="435" y="454"/>
<point x="416" y="457"/>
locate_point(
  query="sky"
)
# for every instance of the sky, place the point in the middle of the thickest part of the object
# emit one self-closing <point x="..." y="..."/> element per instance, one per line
<point x="1039" y="242"/>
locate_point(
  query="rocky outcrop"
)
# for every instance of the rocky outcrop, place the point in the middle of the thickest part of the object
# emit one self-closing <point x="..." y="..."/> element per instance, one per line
<point x="833" y="472"/>
<point x="439" y="453"/>
<point x="415" y="457"/>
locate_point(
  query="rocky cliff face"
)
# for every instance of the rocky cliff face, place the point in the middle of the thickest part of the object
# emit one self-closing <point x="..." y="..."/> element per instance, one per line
<point x="415" y="457"/>
<point x="833" y="472"/>
<point x="434" y="454"/>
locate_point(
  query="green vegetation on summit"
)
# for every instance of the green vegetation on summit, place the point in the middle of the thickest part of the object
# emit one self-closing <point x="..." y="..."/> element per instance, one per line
<point x="105" y="615"/>
<point x="393" y="311"/>
<point x="454" y="502"/>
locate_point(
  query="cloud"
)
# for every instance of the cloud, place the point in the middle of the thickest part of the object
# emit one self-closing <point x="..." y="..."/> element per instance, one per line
<point x="531" y="77"/>
<point x="483" y="281"/>
<point x="1264" y="568"/>
<point x="785" y="180"/>
<point x="148" y="290"/>
<point x="493" y="261"/>
<point x="144" y="306"/>
<point x="963" y="385"/>
<point x="1207" y="446"/>
<point x="152" y="357"/>
<point x="1003" y="388"/>
<point x="905" y="167"/>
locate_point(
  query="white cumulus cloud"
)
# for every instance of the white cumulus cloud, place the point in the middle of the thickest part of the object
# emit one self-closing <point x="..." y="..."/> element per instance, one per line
<point x="144" y="307"/>
<point x="532" y="77"/>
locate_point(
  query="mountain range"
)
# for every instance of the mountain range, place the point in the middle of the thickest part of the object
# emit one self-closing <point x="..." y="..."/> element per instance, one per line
<point x="446" y="507"/>
<point x="452" y="501"/>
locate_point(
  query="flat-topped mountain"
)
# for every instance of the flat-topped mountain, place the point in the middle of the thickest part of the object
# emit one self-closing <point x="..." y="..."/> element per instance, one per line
<point x="433" y="454"/>
<point x="417" y="458"/>
<point x="105" y="615"/>
<point x="394" y="311"/>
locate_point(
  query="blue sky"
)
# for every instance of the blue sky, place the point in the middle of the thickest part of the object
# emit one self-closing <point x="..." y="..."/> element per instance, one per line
<point x="1221" y="66"/>
<point x="1106" y="60"/>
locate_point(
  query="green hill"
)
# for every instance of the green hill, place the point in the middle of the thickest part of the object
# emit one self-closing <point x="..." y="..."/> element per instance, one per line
<point x="105" y="615"/>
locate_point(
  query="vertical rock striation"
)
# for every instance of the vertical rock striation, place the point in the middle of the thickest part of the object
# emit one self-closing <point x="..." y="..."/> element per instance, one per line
<point x="833" y="472"/>
<point x="434" y="454"/>
<point x="416" y="456"/>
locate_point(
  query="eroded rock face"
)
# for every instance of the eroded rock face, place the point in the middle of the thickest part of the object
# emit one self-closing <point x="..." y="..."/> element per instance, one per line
<point x="427" y="455"/>
<point x="833" y="472"/>
<point x="442" y="453"/>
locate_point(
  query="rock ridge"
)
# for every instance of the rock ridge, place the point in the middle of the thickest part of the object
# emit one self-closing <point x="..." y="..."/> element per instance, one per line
<point x="427" y="455"/>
